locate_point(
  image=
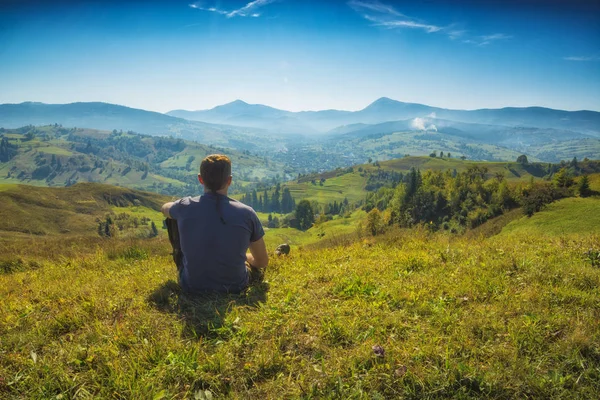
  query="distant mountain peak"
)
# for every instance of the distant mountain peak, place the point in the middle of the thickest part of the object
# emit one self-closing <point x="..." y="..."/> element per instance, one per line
<point x="383" y="102"/>
<point x="237" y="102"/>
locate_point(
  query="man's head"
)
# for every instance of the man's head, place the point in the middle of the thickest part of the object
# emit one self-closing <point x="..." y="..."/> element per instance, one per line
<point x="215" y="172"/>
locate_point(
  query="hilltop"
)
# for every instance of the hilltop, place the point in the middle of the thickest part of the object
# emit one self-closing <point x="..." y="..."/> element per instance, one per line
<point x="506" y="310"/>
<point x="407" y="315"/>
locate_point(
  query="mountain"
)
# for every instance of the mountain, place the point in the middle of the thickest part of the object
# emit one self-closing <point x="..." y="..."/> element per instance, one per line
<point x="105" y="116"/>
<point x="94" y="115"/>
<point x="240" y="113"/>
<point x="385" y="109"/>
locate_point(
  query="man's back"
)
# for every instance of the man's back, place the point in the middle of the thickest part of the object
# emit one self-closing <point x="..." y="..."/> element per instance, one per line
<point x="215" y="232"/>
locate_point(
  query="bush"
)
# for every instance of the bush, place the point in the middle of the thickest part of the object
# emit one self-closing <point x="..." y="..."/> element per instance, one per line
<point x="537" y="197"/>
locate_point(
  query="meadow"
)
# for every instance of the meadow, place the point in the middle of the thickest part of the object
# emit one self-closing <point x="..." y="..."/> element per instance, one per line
<point x="507" y="310"/>
<point x="407" y="315"/>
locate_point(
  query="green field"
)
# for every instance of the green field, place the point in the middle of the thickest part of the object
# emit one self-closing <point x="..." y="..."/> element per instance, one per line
<point x="564" y="217"/>
<point x="57" y="156"/>
<point x="513" y="317"/>
<point x="507" y="310"/>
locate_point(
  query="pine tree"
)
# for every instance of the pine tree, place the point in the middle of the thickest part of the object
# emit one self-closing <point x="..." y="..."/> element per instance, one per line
<point x="305" y="215"/>
<point x="275" y="203"/>
<point x="266" y="203"/>
<point x="584" y="186"/>
<point x="254" y="199"/>
<point x="153" y="230"/>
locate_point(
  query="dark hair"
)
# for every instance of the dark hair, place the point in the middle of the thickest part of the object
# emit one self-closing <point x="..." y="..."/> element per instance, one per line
<point x="215" y="170"/>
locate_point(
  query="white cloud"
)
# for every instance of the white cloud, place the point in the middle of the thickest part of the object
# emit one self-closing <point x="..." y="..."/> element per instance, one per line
<point x="486" y="39"/>
<point x="376" y="6"/>
<point x="386" y="16"/>
<point x="582" y="58"/>
<point x="249" y="10"/>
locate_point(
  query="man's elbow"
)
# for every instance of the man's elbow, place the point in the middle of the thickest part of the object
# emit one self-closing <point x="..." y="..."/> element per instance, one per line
<point x="165" y="209"/>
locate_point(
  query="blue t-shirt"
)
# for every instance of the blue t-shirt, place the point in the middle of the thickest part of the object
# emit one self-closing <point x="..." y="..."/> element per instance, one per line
<point x="214" y="242"/>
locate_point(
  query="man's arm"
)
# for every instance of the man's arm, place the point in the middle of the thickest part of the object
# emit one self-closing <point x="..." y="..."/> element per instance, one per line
<point x="258" y="257"/>
<point x="166" y="207"/>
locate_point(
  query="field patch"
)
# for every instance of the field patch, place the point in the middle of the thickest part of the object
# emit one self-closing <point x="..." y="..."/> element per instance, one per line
<point x="567" y="216"/>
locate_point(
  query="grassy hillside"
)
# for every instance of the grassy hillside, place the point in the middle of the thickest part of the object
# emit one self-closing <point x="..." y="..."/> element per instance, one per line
<point x="57" y="156"/>
<point x="29" y="210"/>
<point x="350" y="182"/>
<point x="411" y="315"/>
<point x="566" y="216"/>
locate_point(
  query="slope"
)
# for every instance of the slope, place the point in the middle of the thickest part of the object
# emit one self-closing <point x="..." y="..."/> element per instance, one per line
<point x="74" y="210"/>
<point x="567" y="216"/>
<point x="58" y="156"/>
<point x="412" y="315"/>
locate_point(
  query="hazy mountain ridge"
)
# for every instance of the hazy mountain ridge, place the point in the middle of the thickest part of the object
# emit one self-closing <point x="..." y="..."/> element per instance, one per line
<point x="386" y="109"/>
<point x="105" y="116"/>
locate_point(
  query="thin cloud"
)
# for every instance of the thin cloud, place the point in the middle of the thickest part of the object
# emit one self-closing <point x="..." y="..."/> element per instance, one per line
<point x="582" y="58"/>
<point x="388" y="17"/>
<point x="383" y="15"/>
<point x="249" y="10"/>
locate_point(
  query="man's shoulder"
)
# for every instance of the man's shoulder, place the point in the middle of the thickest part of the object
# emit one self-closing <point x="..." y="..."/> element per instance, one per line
<point x="243" y="208"/>
<point x="187" y="200"/>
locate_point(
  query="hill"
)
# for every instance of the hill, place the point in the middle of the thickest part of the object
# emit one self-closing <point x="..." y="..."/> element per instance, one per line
<point x="71" y="211"/>
<point x="421" y="136"/>
<point x="57" y="156"/>
<point x="240" y="113"/>
<point x="104" y="116"/>
<point x="352" y="182"/>
<point x="408" y="315"/>
<point x="567" y="216"/>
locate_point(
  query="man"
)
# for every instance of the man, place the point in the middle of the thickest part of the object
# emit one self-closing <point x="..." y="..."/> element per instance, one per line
<point x="215" y="233"/>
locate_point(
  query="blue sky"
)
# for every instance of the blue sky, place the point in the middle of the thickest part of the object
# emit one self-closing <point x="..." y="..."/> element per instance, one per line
<point x="302" y="55"/>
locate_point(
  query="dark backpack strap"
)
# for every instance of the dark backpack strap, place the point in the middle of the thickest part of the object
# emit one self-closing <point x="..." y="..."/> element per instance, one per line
<point x="173" y="231"/>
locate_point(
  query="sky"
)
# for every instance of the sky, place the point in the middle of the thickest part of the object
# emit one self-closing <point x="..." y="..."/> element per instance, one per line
<point x="302" y="55"/>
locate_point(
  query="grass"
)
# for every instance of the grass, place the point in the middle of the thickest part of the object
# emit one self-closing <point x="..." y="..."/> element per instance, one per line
<point x="73" y="210"/>
<point x="508" y="317"/>
<point x="568" y="216"/>
<point x="595" y="182"/>
<point x="409" y="314"/>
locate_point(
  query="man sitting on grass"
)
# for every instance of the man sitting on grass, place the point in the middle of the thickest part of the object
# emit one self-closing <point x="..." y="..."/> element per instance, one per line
<point x="215" y="233"/>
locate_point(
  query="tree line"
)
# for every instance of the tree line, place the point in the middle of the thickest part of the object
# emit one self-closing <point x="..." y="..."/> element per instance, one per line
<point x="451" y="200"/>
<point x="279" y="201"/>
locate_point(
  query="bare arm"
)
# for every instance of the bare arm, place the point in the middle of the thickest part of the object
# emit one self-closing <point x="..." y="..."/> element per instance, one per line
<point x="165" y="209"/>
<point x="258" y="257"/>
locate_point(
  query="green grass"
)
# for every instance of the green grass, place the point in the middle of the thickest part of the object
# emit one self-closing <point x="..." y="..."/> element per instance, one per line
<point x="510" y="317"/>
<point x="595" y="182"/>
<point x="514" y="315"/>
<point x="568" y="216"/>
<point x="51" y="211"/>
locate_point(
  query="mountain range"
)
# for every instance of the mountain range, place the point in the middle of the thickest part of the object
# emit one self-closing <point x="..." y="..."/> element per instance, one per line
<point x="239" y="113"/>
<point x="105" y="116"/>
<point x="335" y="137"/>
